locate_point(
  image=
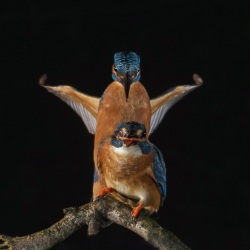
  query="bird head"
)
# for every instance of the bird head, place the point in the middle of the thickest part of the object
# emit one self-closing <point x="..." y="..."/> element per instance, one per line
<point x="126" y="69"/>
<point x="130" y="133"/>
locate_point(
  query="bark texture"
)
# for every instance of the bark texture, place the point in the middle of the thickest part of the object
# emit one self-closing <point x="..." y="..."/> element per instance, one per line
<point x="94" y="214"/>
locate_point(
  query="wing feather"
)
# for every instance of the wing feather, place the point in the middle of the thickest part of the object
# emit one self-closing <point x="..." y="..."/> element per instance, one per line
<point x="162" y="104"/>
<point x="160" y="172"/>
<point x="85" y="106"/>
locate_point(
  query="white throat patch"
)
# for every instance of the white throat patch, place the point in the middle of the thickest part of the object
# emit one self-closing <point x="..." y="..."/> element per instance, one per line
<point x="131" y="150"/>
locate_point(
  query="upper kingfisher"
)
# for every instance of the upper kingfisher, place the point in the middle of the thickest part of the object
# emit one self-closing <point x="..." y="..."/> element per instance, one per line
<point x="126" y="163"/>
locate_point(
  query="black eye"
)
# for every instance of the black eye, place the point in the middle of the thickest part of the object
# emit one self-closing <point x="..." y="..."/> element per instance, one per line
<point x="115" y="69"/>
<point x="143" y="134"/>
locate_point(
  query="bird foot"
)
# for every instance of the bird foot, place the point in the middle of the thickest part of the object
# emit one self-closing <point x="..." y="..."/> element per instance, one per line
<point x="136" y="210"/>
<point x="104" y="191"/>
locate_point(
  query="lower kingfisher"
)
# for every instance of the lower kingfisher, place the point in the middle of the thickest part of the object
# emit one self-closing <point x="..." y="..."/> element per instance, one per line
<point x="133" y="168"/>
<point x="126" y="163"/>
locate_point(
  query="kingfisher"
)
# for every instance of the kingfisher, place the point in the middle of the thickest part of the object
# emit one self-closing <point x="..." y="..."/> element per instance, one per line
<point x="126" y="163"/>
<point x="133" y="168"/>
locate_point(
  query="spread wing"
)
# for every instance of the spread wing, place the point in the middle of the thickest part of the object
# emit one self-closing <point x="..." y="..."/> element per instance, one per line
<point x="162" y="104"/>
<point x="160" y="172"/>
<point x="85" y="106"/>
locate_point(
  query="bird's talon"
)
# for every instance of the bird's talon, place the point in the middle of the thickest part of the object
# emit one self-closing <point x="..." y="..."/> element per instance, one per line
<point x="136" y="210"/>
<point x="134" y="213"/>
<point x="104" y="191"/>
<point x="133" y="218"/>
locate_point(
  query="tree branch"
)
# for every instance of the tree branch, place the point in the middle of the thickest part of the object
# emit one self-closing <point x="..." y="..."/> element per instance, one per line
<point x="93" y="214"/>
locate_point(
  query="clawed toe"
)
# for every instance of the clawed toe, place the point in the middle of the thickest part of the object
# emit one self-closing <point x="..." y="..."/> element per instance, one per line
<point x="136" y="210"/>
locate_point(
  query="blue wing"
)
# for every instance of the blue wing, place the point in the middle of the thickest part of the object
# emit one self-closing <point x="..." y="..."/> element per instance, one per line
<point x="96" y="176"/>
<point x="160" y="172"/>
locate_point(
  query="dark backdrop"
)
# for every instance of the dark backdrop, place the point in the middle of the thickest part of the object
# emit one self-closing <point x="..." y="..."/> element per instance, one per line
<point x="46" y="151"/>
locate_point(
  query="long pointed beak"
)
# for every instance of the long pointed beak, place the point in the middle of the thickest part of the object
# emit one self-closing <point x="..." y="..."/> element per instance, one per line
<point x="126" y="85"/>
<point x="126" y="80"/>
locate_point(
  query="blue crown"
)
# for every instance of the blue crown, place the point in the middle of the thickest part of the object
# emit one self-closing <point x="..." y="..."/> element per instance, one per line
<point x="127" y="63"/>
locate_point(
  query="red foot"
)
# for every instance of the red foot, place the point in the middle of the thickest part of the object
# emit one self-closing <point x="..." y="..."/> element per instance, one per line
<point x="105" y="190"/>
<point x="136" y="210"/>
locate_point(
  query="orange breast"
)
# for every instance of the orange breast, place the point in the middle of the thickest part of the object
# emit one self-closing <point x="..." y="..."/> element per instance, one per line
<point x="124" y="162"/>
<point x="130" y="173"/>
<point x="114" y="109"/>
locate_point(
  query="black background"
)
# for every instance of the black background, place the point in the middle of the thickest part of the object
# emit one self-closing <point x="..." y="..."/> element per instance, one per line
<point x="46" y="151"/>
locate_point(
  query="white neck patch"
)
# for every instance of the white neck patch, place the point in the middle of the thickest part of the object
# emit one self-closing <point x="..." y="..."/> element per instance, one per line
<point x="131" y="150"/>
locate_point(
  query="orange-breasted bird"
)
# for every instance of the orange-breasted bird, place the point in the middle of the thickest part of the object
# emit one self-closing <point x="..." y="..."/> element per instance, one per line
<point x="132" y="167"/>
<point x="126" y="163"/>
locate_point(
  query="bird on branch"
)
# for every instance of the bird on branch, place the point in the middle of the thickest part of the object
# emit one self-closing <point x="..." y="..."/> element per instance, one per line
<point x="127" y="164"/>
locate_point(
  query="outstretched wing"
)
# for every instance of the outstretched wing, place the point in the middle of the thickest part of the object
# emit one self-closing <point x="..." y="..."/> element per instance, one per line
<point x="85" y="106"/>
<point x="160" y="172"/>
<point x="162" y="104"/>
